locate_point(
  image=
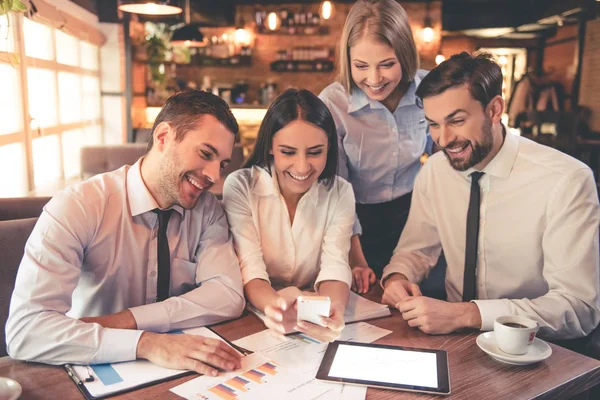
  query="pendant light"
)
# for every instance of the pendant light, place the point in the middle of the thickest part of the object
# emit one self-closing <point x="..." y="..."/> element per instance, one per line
<point x="428" y="33"/>
<point x="188" y="35"/>
<point x="150" y="7"/>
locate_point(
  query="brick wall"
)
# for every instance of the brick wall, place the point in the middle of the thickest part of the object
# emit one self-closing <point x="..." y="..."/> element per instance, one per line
<point x="589" y="95"/>
<point x="267" y="45"/>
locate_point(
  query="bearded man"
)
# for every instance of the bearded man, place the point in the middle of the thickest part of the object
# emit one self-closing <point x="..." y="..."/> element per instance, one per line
<point x="517" y="221"/>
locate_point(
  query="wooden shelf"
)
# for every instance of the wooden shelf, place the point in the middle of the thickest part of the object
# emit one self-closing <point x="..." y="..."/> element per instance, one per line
<point x="302" y="66"/>
<point x="300" y="30"/>
<point x="234" y="61"/>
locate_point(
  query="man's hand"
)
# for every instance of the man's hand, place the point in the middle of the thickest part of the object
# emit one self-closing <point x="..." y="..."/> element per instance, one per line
<point x="281" y="316"/>
<point x="332" y="329"/>
<point x="362" y="278"/>
<point x="397" y="289"/>
<point x="196" y="353"/>
<point x="437" y="317"/>
<point x="120" y="320"/>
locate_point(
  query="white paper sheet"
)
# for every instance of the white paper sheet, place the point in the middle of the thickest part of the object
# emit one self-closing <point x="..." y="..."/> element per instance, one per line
<point x="297" y="359"/>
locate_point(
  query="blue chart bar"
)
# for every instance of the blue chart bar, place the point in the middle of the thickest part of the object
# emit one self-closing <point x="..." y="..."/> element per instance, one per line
<point x="303" y="338"/>
<point x="107" y="374"/>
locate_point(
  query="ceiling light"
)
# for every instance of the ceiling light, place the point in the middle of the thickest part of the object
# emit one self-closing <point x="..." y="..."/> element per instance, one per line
<point x="188" y="35"/>
<point x="327" y="10"/>
<point x="428" y="33"/>
<point x="150" y="7"/>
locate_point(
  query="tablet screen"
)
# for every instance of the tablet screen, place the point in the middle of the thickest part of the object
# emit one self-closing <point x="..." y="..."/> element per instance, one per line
<point x="386" y="366"/>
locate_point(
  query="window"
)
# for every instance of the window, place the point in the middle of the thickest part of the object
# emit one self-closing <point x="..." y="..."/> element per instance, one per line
<point x="50" y="104"/>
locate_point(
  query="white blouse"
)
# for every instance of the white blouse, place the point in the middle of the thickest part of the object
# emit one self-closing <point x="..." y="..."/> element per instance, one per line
<point x="311" y="250"/>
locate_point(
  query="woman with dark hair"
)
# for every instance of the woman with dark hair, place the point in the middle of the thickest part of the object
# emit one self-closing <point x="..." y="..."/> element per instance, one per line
<point x="291" y="217"/>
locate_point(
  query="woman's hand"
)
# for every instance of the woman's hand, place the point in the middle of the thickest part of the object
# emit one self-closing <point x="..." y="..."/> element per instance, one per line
<point x="362" y="278"/>
<point x="281" y="316"/>
<point x="332" y="329"/>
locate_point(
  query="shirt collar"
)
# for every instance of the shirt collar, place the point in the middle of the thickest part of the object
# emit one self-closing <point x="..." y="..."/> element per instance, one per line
<point x="502" y="164"/>
<point x="358" y="99"/>
<point x="266" y="184"/>
<point x="139" y="197"/>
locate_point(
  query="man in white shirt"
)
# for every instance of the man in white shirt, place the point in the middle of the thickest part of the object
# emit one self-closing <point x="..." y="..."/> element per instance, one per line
<point x="119" y="260"/>
<point x="518" y="221"/>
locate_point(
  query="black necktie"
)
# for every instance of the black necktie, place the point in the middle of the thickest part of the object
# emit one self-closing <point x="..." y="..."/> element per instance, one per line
<point x="470" y="281"/>
<point x="164" y="256"/>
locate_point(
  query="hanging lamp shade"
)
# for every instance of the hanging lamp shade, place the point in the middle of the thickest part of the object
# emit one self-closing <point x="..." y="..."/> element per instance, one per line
<point x="188" y="35"/>
<point x="150" y="7"/>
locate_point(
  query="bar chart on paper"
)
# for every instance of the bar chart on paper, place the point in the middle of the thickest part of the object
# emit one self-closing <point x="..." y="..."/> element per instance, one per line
<point x="243" y="384"/>
<point x="303" y="338"/>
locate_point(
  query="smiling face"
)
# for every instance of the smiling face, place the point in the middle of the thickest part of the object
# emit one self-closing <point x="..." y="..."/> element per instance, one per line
<point x="299" y="156"/>
<point x="193" y="165"/>
<point x="376" y="70"/>
<point x="463" y="129"/>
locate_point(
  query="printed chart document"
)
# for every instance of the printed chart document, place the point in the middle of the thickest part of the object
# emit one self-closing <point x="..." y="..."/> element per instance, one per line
<point x="295" y="361"/>
<point x="357" y="309"/>
<point x="260" y="378"/>
<point x="110" y="379"/>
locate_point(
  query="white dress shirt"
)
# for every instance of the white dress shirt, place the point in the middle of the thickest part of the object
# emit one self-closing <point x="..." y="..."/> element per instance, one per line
<point x="93" y="252"/>
<point x="311" y="250"/>
<point x="538" y="252"/>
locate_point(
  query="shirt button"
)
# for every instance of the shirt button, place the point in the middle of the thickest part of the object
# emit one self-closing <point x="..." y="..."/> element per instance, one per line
<point x="153" y="273"/>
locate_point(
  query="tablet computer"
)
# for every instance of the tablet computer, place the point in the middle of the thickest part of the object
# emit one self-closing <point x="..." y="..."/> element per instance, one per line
<point x="387" y="367"/>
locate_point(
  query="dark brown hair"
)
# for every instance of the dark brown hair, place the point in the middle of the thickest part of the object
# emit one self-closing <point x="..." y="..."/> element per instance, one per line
<point x="479" y="72"/>
<point x="182" y="111"/>
<point x="290" y="106"/>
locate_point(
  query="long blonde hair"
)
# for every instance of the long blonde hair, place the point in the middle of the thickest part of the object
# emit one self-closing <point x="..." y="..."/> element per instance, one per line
<point x="387" y="22"/>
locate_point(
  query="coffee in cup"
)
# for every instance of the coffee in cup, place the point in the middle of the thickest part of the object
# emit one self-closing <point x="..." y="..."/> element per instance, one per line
<point x="514" y="333"/>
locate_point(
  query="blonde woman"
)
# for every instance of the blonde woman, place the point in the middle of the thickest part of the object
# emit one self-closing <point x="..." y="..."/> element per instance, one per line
<point x="381" y="131"/>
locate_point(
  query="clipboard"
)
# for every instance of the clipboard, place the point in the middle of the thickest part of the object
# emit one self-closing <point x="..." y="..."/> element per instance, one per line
<point x="97" y="389"/>
<point x="100" y="381"/>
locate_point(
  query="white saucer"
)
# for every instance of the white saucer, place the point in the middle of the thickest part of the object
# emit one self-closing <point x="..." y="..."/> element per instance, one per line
<point x="9" y="389"/>
<point x="538" y="350"/>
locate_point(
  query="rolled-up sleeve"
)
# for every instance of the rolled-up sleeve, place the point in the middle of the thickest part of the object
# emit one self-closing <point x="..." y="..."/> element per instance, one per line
<point x="336" y="242"/>
<point x="570" y="244"/>
<point x="236" y="193"/>
<point x="219" y="294"/>
<point x="38" y="328"/>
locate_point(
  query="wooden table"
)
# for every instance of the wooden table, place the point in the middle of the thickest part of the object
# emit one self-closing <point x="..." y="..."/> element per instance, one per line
<point x="473" y="374"/>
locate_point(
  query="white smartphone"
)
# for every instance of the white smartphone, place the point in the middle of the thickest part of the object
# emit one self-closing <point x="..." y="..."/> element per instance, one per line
<point x="311" y="308"/>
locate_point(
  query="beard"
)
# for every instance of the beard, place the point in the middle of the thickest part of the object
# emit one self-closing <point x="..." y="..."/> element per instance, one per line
<point x="479" y="150"/>
<point x="169" y="181"/>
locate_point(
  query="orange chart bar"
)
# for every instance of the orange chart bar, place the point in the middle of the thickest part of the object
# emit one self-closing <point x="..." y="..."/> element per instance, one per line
<point x="268" y="368"/>
<point x="238" y="383"/>
<point x="223" y="392"/>
<point x="254" y="375"/>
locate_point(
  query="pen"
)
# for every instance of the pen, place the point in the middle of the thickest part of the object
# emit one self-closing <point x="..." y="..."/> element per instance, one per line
<point x="73" y="374"/>
<point x="235" y="346"/>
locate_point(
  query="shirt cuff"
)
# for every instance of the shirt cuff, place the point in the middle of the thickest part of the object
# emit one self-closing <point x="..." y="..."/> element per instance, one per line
<point x="357" y="227"/>
<point x="490" y="310"/>
<point x="398" y="269"/>
<point x="334" y="275"/>
<point x="117" y="345"/>
<point x="152" y="317"/>
<point x="249" y="273"/>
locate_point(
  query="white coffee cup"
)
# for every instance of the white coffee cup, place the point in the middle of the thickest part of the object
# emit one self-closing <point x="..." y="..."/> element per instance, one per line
<point x="515" y="333"/>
